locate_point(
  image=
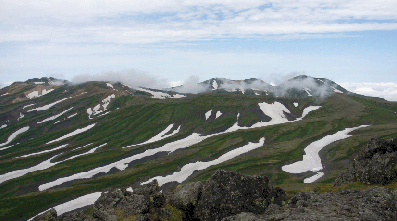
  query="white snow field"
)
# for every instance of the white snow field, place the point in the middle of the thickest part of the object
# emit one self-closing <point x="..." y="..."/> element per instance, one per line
<point x="27" y="106"/>
<point x="337" y="91"/>
<point x="20" y="116"/>
<point x="214" y="85"/>
<point x="48" y="106"/>
<point x="95" y="110"/>
<point x="218" y="114"/>
<point x="15" y="134"/>
<point x="77" y="203"/>
<point x="307" y="91"/>
<point x="208" y="114"/>
<point x="159" y="136"/>
<point x="188" y="169"/>
<point x="313" y="178"/>
<point x="55" y="117"/>
<point x="44" y="151"/>
<point x="3" y="126"/>
<point x="109" y="85"/>
<point x="311" y="160"/>
<point x="18" y="173"/>
<point x="42" y="166"/>
<point x="160" y="95"/>
<point x="296" y="104"/>
<point x="39" y="82"/>
<point x="88" y="152"/>
<point x="172" y="146"/>
<point x="72" y="115"/>
<point x="34" y="94"/>
<point x="78" y="131"/>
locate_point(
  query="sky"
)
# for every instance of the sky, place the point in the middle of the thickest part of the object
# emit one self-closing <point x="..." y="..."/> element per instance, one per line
<point x="353" y="43"/>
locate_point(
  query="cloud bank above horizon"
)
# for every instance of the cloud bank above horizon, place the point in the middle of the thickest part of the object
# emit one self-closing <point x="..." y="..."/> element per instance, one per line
<point x="176" y="21"/>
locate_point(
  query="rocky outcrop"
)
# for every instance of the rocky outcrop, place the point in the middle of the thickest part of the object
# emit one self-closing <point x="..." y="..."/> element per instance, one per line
<point x="376" y="163"/>
<point x="376" y="203"/>
<point x="230" y="193"/>
<point x="145" y="203"/>
<point x="76" y="216"/>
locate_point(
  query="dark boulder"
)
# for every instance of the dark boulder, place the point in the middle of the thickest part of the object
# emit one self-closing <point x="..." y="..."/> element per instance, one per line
<point x="50" y="215"/>
<point x="376" y="163"/>
<point x="120" y="203"/>
<point x="229" y="193"/>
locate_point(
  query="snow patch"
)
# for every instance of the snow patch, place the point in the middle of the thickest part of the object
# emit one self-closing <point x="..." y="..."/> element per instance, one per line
<point x="159" y="136"/>
<point x="313" y="178"/>
<point x="27" y="106"/>
<point x="48" y="106"/>
<point x="78" y="131"/>
<point x="188" y="169"/>
<point x="109" y="85"/>
<point x="20" y="116"/>
<point x="214" y="85"/>
<point x="15" y="134"/>
<point x="3" y="126"/>
<point x="161" y="95"/>
<point x="88" y="152"/>
<point x="54" y="117"/>
<point x="296" y="104"/>
<point x="4" y="94"/>
<point x="337" y="91"/>
<point x="77" y="203"/>
<point x="39" y="82"/>
<point x="129" y="189"/>
<point x="311" y="160"/>
<point x="307" y="91"/>
<point x="44" y="151"/>
<point x="72" y="115"/>
<point x="208" y="114"/>
<point x="218" y="114"/>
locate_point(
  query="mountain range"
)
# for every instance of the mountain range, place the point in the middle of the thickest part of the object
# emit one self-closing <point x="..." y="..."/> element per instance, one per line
<point x="62" y="144"/>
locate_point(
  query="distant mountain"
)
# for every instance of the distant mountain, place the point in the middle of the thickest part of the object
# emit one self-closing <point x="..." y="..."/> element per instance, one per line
<point x="60" y="141"/>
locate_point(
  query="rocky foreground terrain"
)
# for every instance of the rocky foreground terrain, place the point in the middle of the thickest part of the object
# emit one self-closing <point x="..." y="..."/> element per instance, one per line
<point x="231" y="196"/>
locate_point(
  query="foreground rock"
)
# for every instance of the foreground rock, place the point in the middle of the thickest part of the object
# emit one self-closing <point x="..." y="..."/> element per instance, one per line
<point x="50" y="215"/>
<point x="230" y="193"/>
<point x="374" y="164"/>
<point x="376" y="203"/>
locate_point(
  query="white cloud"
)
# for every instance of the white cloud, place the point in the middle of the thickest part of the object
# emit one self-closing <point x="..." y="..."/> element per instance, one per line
<point x="175" y="21"/>
<point x="387" y="90"/>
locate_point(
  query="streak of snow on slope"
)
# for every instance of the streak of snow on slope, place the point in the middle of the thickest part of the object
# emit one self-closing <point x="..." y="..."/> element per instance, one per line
<point x="337" y="91"/>
<point x="78" y="131"/>
<point x="27" y="106"/>
<point x="42" y="166"/>
<point x="188" y="169"/>
<point x="106" y="101"/>
<point x="307" y="91"/>
<point x="169" y="147"/>
<point x="123" y="164"/>
<point x="44" y="91"/>
<point x="159" y="136"/>
<point x="44" y="151"/>
<point x="15" y="134"/>
<point x="311" y="160"/>
<point x="208" y="114"/>
<point x="3" y="126"/>
<point x="178" y="96"/>
<point x="48" y="106"/>
<point x="214" y="85"/>
<point x="20" y="116"/>
<point x="88" y="152"/>
<point x="33" y="94"/>
<point x="55" y="117"/>
<point x="313" y="178"/>
<point x="218" y="114"/>
<point x="109" y="85"/>
<point x="3" y="148"/>
<point x="77" y="203"/>
<point x="72" y="115"/>
<point x="296" y="104"/>
<point x="4" y="94"/>
<point x="39" y="82"/>
<point x="18" y="173"/>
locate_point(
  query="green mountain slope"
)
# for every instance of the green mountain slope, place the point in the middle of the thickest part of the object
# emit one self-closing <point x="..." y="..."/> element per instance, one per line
<point x="69" y="132"/>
